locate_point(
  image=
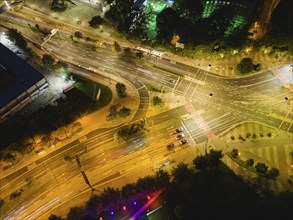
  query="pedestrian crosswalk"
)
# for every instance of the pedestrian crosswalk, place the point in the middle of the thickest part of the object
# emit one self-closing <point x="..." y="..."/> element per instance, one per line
<point x="199" y="121"/>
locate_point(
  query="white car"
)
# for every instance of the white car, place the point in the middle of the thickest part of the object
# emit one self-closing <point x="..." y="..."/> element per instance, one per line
<point x="178" y="130"/>
<point x="180" y="136"/>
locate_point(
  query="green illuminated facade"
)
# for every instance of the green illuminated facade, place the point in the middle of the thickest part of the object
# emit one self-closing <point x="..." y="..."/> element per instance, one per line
<point x="243" y="9"/>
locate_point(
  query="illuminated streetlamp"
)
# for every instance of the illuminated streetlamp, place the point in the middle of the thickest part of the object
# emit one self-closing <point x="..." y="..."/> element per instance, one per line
<point x="210" y="96"/>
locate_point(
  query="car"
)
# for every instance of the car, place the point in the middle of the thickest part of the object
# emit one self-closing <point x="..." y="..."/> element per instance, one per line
<point x="183" y="141"/>
<point x="172" y="80"/>
<point x="180" y="136"/>
<point x="170" y="146"/>
<point x="178" y="130"/>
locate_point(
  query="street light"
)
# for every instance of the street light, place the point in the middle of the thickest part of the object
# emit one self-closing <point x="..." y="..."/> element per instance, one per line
<point x="210" y="96"/>
<point x="285" y="100"/>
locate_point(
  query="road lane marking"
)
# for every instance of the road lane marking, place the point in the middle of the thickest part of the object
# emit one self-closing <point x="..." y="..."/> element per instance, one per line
<point x="200" y="121"/>
<point x="258" y="82"/>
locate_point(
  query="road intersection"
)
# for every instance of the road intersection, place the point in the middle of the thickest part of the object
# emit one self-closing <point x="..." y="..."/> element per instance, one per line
<point x="257" y="98"/>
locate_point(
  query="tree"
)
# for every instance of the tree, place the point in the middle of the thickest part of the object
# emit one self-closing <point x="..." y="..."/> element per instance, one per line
<point x="261" y="168"/>
<point x="32" y="54"/>
<point x="2" y="202"/>
<point x="121" y="90"/>
<point x="48" y="61"/>
<point x="56" y="6"/>
<point x="94" y="205"/>
<point x="214" y="158"/>
<point x="170" y="147"/>
<point x="61" y="66"/>
<point x="112" y="112"/>
<point x="249" y="162"/>
<point x="16" y="37"/>
<point x="67" y="158"/>
<point x="190" y="9"/>
<point x="166" y="23"/>
<point x="146" y="184"/>
<point x="75" y="213"/>
<point x="110" y="198"/>
<point x="117" y="46"/>
<point x="135" y="24"/>
<point x="162" y="178"/>
<point x="16" y="194"/>
<point x="280" y="30"/>
<point x="135" y="129"/>
<point x="118" y="11"/>
<point x="273" y="173"/>
<point x="181" y="173"/>
<point x="129" y="191"/>
<point x="214" y="27"/>
<point x="139" y="54"/>
<point x="46" y="141"/>
<point x="246" y="66"/>
<point x="54" y="217"/>
<point x="8" y="158"/>
<point x="78" y="34"/>
<point x="124" y="112"/>
<point x="157" y="101"/>
<point x="96" y="21"/>
<point x="234" y="153"/>
<point x="29" y="180"/>
<point x="200" y="163"/>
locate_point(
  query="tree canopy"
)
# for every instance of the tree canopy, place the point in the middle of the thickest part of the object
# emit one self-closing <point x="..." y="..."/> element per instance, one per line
<point x="121" y="90"/>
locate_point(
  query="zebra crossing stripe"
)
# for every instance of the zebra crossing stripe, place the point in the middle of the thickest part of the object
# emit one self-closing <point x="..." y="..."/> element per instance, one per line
<point x="200" y="121"/>
<point x="283" y="78"/>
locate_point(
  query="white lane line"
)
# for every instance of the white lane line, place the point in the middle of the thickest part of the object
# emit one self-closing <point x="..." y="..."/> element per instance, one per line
<point x="258" y="82"/>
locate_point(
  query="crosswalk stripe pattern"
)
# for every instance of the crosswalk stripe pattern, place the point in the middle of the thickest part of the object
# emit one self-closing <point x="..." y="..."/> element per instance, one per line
<point x="200" y="121"/>
<point x="283" y="78"/>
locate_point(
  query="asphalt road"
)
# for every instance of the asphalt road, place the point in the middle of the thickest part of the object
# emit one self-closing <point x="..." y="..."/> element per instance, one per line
<point x="255" y="98"/>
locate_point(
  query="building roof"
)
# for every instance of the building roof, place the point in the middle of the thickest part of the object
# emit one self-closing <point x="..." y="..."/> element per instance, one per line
<point x="138" y="3"/>
<point x="16" y="76"/>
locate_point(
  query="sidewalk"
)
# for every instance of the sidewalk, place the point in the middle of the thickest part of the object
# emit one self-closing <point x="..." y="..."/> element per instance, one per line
<point x="227" y="65"/>
<point x="265" y="145"/>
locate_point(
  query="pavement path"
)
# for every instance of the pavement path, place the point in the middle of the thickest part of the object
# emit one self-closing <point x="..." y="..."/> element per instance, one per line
<point x="263" y="144"/>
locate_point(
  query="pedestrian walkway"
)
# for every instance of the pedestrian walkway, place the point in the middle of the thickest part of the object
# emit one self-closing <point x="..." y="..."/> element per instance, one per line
<point x="199" y="121"/>
<point x="226" y="65"/>
<point x="264" y="145"/>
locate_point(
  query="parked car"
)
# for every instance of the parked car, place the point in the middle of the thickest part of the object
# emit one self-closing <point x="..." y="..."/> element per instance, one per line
<point x="172" y="80"/>
<point x="183" y="141"/>
<point x="178" y="130"/>
<point x="170" y="146"/>
<point x="180" y="136"/>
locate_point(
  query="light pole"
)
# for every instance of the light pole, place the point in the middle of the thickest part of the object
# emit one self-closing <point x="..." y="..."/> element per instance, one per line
<point x="210" y="96"/>
<point x="272" y="111"/>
